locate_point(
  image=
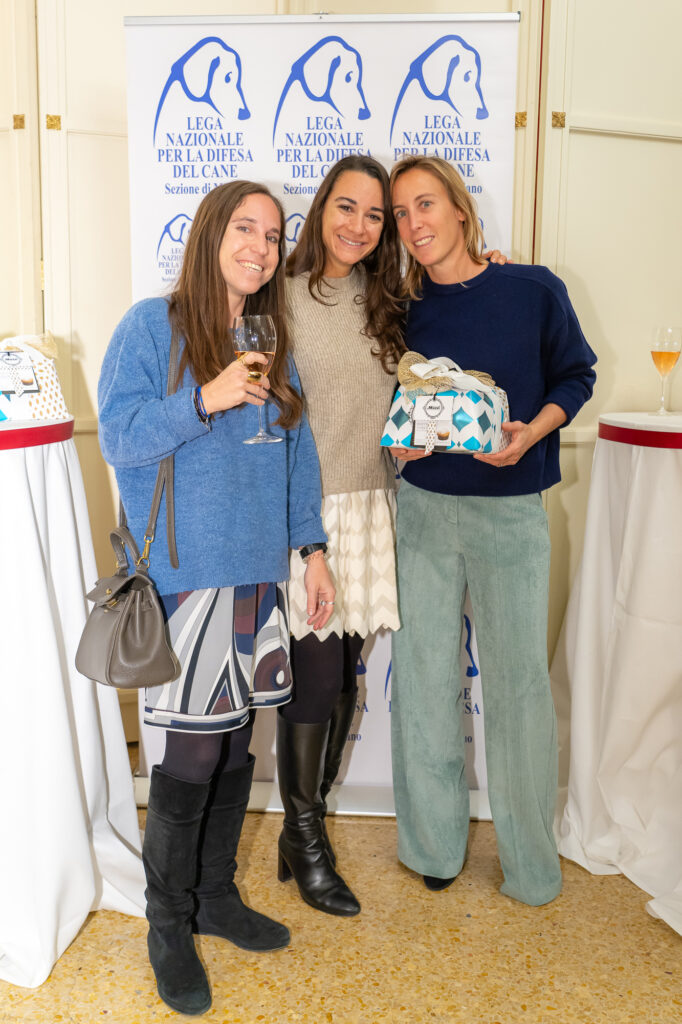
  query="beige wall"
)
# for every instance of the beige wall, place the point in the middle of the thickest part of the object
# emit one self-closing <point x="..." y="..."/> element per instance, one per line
<point x="607" y="203"/>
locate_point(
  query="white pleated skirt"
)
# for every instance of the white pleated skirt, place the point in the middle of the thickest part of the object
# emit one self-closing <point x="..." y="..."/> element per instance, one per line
<point x="360" y="528"/>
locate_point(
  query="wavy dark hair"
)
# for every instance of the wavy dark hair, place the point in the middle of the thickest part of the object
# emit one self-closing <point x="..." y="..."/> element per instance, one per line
<point x="199" y="310"/>
<point x="384" y="310"/>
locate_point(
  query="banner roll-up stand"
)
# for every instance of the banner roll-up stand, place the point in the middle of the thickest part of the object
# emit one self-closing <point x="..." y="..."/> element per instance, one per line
<point x="280" y="100"/>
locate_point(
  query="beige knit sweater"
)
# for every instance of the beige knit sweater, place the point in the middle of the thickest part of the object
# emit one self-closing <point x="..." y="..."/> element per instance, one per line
<point x="347" y="394"/>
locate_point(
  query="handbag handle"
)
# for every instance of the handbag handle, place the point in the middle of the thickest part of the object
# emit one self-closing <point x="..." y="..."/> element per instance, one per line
<point x="164" y="477"/>
<point x="121" y="538"/>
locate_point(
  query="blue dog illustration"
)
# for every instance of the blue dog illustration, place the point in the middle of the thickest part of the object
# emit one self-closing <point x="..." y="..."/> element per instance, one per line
<point x="450" y="71"/>
<point x="329" y="72"/>
<point x="294" y="223"/>
<point x="210" y="76"/>
<point x="175" y="232"/>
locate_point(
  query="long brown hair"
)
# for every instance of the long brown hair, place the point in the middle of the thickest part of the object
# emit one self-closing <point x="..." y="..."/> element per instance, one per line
<point x="384" y="312"/>
<point x="456" y="189"/>
<point x="199" y="309"/>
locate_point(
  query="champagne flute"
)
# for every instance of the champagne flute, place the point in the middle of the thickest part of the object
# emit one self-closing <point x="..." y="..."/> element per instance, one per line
<point x="665" y="351"/>
<point x="256" y="334"/>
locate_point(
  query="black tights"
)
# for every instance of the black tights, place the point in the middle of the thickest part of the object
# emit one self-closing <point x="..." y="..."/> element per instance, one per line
<point x="197" y="757"/>
<point x="322" y="670"/>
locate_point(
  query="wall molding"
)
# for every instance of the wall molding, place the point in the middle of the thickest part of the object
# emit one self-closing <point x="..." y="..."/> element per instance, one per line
<point x="85" y="425"/>
<point x="634" y="128"/>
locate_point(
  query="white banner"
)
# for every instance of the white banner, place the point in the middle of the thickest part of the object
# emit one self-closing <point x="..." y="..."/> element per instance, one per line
<point x="279" y="100"/>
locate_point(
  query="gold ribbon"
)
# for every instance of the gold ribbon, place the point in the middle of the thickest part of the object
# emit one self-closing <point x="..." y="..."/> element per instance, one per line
<point x="42" y="343"/>
<point x="411" y="382"/>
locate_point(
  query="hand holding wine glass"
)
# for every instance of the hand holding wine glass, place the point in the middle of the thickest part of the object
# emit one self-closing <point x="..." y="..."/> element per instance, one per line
<point x="232" y="387"/>
<point x="255" y="337"/>
<point x="665" y="351"/>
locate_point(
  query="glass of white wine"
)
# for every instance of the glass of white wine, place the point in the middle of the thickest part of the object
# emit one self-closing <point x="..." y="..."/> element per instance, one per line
<point x="256" y="334"/>
<point x="665" y="351"/>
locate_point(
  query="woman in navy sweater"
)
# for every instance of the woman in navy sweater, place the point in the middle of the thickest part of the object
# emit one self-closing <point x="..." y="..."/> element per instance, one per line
<point x="238" y="510"/>
<point x="479" y="522"/>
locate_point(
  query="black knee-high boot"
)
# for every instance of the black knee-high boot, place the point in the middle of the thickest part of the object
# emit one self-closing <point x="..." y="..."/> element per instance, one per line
<point x="169" y="855"/>
<point x="303" y="852"/>
<point x="220" y="910"/>
<point x="339" y="727"/>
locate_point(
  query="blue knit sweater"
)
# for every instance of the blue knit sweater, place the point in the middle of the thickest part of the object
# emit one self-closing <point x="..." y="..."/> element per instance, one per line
<point x="517" y="324"/>
<point x="238" y="508"/>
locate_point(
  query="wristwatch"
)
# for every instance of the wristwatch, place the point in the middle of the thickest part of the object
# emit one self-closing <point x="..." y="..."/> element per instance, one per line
<point x="309" y="549"/>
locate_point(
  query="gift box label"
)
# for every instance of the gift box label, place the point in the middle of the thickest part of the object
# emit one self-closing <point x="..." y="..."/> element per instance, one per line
<point x="17" y="374"/>
<point x="432" y="421"/>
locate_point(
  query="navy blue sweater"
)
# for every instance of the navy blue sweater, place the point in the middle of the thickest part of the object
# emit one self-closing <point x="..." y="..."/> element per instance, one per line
<point x="517" y="324"/>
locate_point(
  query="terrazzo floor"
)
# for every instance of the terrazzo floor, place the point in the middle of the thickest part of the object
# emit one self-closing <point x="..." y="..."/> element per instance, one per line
<point x="464" y="956"/>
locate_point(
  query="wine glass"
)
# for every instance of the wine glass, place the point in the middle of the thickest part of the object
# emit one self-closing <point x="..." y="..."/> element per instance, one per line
<point x="665" y="351"/>
<point x="256" y="334"/>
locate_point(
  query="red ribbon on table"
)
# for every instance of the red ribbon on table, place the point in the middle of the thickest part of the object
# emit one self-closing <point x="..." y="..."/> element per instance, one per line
<point x="643" y="438"/>
<point x="29" y="437"/>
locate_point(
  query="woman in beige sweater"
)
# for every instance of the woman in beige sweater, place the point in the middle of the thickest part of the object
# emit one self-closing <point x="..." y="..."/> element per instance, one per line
<point x="345" y="323"/>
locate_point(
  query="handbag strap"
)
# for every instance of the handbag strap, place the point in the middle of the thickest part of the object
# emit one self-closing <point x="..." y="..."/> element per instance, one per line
<point x="165" y="477"/>
<point x="121" y="538"/>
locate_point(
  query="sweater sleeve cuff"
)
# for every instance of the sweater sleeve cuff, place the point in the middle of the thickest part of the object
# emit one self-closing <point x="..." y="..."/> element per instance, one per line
<point x="570" y="397"/>
<point x="309" y="532"/>
<point x="183" y="422"/>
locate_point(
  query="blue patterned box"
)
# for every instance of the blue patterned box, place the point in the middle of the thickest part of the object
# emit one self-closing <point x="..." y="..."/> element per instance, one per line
<point x="438" y="407"/>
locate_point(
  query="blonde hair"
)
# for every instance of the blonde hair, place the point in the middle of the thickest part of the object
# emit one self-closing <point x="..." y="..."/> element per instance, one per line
<point x="457" y="192"/>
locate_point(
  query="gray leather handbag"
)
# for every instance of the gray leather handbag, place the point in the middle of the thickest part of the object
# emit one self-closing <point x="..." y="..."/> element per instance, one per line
<point x="125" y="640"/>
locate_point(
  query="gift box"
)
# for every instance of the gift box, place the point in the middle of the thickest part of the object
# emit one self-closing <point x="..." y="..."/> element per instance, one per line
<point x="440" y="407"/>
<point x="29" y="385"/>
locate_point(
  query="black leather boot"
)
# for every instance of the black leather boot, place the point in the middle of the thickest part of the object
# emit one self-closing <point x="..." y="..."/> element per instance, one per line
<point x="339" y="727"/>
<point x="169" y="855"/>
<point x="220" y="910"/>
<point x="302" y="850"/>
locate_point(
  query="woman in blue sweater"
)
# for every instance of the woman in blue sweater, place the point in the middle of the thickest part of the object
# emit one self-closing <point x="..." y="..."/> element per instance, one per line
<point x="238" y="510"/>
<point x="479" y="522"/>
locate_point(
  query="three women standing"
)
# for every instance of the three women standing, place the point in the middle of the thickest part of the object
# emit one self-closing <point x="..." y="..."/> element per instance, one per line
<point x="239" y="509"/>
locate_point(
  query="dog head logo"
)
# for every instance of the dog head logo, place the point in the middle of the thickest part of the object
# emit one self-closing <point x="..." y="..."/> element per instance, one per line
<point x="294" y="223"/>
<point x="174" y="232"/>
<point x="171" y="248"/>
<point x="330" y="73"/>
<point x="449" y="71"/>
<point x="209" y="73"/>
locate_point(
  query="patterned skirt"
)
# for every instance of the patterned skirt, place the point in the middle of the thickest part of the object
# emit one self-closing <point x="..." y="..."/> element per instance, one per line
<point x="232" y="644"/>
<point x="360" y="529"/>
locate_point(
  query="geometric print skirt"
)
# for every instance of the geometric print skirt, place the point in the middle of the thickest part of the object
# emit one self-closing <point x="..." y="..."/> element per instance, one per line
<point x="232" y="644"/>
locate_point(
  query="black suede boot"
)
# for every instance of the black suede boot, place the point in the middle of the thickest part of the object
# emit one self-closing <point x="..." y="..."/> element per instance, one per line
<point x="339" y="727"/>
<point x="302" y="850"/>
<point x="169" y="855"/>
<point x="220" y="910"/>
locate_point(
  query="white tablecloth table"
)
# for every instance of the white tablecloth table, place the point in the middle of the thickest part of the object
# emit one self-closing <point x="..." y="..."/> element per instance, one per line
<point x="70" y="837"/>
<point x="617" y="671"/>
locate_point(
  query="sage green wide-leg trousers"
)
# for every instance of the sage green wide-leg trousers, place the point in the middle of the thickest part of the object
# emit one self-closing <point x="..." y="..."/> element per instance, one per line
<point x="499" y="547"/>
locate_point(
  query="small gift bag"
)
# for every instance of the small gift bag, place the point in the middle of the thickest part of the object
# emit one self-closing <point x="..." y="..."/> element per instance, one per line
<point x="29" y="385"/>
<point x="439" y="407"/>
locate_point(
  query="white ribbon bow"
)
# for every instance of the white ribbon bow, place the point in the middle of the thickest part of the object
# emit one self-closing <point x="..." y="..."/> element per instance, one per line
<point x="445" y="367"/>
